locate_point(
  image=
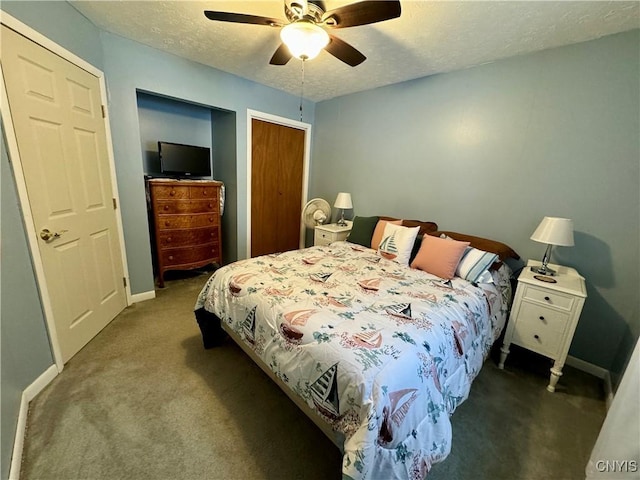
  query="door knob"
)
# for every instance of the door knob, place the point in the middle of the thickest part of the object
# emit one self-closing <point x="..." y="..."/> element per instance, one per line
<point x="48" y="235"/>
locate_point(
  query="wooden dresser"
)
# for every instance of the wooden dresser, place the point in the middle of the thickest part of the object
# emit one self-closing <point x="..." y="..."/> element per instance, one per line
<point x="186" y="224"/>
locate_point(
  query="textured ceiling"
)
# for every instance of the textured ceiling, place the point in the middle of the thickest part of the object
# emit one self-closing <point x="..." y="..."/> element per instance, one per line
<point x="429" y="37"/>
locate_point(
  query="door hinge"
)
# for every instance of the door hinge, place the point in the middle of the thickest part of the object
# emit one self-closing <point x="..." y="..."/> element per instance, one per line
<point x="124" y="281"/>
<point x="104" y="111"/>
<point x="115" y="204"/>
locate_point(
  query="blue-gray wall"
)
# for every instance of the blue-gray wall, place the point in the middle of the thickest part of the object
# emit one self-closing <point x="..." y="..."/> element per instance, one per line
<point x="491" y="150"/>
<point x="25" y="348"/>
<point x="168" y="120"/>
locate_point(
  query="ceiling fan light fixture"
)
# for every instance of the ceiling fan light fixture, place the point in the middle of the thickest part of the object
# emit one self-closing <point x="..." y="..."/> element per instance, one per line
<point x="304" y="39"/>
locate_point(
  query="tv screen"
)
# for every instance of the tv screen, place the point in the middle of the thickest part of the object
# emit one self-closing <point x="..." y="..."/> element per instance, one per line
<point x="184" y="160"/>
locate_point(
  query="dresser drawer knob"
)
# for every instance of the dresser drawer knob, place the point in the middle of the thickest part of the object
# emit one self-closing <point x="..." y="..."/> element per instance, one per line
<point x="166" y="207"/>
<point x="169" y="241"/>
<point x="172" y="193"/>
<point x="167" y="223"/>
<point x="170" y="257"/>
<point x="204" y="192"/>
<point x="211" y="205"/>
<point x="547" y="299"/>
<point x="211" y="219"/>
<point x="542" y="318"/>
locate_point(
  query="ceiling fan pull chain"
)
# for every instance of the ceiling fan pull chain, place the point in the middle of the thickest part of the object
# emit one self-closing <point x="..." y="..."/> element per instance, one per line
<point x="302" y="89"/>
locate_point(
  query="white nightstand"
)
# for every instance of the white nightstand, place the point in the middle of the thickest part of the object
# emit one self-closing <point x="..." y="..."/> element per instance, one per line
<point x="544" y="315"/>
<point x="332" y="232"/>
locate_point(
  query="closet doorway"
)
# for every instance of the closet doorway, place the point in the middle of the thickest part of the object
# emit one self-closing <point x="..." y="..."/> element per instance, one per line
<point x="278" y="183"/>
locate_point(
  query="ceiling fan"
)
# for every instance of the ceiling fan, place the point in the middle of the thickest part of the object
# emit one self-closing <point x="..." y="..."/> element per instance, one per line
<point x="305" y="34"/>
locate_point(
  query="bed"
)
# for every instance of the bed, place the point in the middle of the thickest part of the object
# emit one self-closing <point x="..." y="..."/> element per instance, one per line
<point x="376" y="353"/>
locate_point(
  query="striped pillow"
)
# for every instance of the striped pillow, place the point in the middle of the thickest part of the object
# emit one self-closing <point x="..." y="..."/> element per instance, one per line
<point x="474" y="263"/>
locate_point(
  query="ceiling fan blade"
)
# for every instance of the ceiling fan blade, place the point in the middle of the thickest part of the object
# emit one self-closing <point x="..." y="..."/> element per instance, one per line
<point x="362" y="13"/>
<point x="243" y="18"/>
<point x="344" y="52"/>
<point x="281" y="56"/>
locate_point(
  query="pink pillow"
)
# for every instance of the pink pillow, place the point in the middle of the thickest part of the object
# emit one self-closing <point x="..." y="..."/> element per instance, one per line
<point x="379" y="232"/>
<point x="439" y="256"/>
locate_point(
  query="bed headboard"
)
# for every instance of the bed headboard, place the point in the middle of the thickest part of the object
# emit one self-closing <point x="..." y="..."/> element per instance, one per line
<point x="425" y="227"/>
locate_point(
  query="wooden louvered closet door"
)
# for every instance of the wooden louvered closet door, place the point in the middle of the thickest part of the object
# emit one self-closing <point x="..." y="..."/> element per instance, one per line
<point x="277" y="167"/>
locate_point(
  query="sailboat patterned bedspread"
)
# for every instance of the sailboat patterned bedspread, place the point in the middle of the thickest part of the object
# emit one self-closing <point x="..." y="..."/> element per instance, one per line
<point x="382" y="352"/>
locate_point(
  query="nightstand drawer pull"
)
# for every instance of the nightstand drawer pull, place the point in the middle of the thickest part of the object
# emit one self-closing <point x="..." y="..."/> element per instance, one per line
<point x="537" y="337"/>
<point x="542" y="318"/>
<point x="547" y="299"/>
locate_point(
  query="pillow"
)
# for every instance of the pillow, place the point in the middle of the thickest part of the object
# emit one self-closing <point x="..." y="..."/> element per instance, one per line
<point x="397" y="243"/>
<point x="379" y="231"/>
<point x="474" y="263"/>
<point x="416" y="248"/>
<point x="439" y="256"/>
<point x="362" y="230"/>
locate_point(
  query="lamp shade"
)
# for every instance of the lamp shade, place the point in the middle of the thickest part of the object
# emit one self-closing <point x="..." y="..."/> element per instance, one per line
<point x="554" y="231"/>
<point x="343" y="200"/>
<point x="304" y="39"/>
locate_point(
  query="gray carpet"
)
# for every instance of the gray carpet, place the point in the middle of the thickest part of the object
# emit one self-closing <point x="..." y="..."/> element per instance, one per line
<point x="144" y="400"/>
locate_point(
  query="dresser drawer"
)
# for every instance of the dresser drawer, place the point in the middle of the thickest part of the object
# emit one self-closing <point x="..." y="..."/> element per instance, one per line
<point x="170" y="191"/>
<point x="194" y="236"/>
<point x="172" y="257"/>
<point x="204" y="192"/>
<point x="185" y="221"/>
<point x="540" y="316"/>
<point x="546" y="297"/>
<point x="186" y="206"/>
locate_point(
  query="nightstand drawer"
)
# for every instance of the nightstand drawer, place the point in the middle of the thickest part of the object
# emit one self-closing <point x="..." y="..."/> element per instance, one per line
<point x="537" y="316"/>
<point x="538" y="338"/>
<point x="325" y="238"/>
<point x="326" y="234"/>
<point x="549" y="298"/>
<point x="322" y="238"/>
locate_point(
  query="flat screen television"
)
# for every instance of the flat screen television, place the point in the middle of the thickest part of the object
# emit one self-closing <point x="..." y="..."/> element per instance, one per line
<point x="184" y="160"/>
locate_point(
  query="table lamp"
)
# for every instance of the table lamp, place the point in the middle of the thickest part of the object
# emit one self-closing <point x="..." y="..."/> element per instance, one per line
<point x="343" y="200"/>
<point x="552" y="231"/>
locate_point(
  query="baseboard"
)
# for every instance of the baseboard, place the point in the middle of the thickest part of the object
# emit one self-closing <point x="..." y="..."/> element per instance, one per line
<point x="596" y="371"/>
<point x="28" y="394"/>
<point x="141" y="297"/>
